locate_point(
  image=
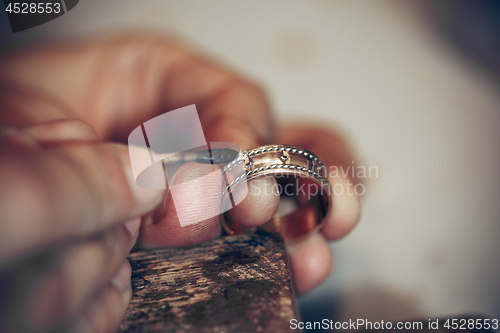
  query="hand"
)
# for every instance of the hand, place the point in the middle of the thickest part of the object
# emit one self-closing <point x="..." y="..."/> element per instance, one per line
<point x="70" y="214"/>
<point x="65" y="188"/>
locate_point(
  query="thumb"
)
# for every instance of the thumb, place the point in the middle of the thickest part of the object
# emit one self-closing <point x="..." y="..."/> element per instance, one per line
<point x="66" y="191"/>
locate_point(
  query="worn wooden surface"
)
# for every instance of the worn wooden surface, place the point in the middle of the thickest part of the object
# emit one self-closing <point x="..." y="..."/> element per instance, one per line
<point x="231" y="284"/>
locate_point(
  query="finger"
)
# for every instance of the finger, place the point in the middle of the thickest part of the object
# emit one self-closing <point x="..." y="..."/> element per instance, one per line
<point x="46" y="134"/>
<point x="346" y="208"/>
<point x="116" y="83"/>
<point x="66" y="191"/>
<point x="231" y="108"/>
<point x="259" y="205"/>
<point x="82" y="270"/>
<point x="239" y="114"/>
<point x="311" y="261"/>
<point x="338" y="158"/>
<point x="24" y="106"/>
<point x="159" y="75"/>
<point x="62" y="131"/>
<point x="105" y="311"/>
<point x="191" y="211"/>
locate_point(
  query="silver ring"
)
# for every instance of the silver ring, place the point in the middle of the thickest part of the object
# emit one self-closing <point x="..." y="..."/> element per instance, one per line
<point x="295" y="169"/>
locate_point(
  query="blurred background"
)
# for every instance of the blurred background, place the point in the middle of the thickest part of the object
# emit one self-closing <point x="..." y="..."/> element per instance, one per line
<point x="414" y="86"/>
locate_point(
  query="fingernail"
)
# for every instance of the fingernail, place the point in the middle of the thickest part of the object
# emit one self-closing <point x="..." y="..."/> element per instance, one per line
<point x="121" y="279"/>
<point x="147" y="197"/>
<point x="127" y="294"/>
<point x="148" y="188"/>
<point x="133" y="226"/>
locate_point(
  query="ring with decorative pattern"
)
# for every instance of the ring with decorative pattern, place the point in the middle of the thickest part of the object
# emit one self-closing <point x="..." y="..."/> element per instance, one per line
<point x="305" y="193"/>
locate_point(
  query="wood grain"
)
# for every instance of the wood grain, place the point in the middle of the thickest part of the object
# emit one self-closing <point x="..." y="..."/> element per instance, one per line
<point x="232" y="284"/>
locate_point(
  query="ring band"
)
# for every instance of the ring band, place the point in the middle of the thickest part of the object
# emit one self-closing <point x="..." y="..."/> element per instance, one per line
<point x="301" y="181"/>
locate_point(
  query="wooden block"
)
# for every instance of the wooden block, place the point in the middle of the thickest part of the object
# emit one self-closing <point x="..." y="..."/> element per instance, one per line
<point x="232" y="284"/>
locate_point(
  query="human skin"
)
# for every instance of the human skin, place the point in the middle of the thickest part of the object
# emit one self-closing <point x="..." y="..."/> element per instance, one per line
<point x="68" y="195"/>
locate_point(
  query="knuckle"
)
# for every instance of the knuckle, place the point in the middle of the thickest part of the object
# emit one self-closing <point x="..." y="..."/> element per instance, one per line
<point x="257" y="91"/>
<point x="117" y="242"/>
